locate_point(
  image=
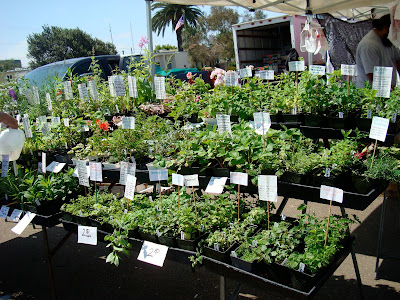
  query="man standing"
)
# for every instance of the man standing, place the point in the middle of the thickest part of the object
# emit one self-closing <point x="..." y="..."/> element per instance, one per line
<point x="375" y="49"/>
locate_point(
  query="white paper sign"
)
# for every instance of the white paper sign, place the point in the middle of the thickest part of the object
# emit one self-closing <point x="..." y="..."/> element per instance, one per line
<point x="49" y="103"/>
<point x="231" y="79"/>
<point x="382" y="81"/>
<point x="68" y="90"/>
<point x="66" y="122"/>
<point x="239" y="178"/>
<point x="268" y="188"/>
<point x="5" y="163"/>
<point x="349" y="70"/>
<point x="262" y="122"/>
<point x="216" y="185"/>
<point x="55" y="167"/>
<point x="379" y="127"/>
<point x="331" y="193"/>
<point x="267" y="74"/>
<point x="82" y="173"/>
<point x="128" y="122"/>
<point x="246" y="72"/>
<point x="158" y="174"/>
<point x="20" y="227"/>
<point x="4" y="212"/>
<point x="296" y="66"/>
<point x="153" y="253"/>
<point x="178" y="179"/>
<point x="55" y="120"/>
<point x="95" y="171"/>
<point x="159" y="85"/>
<point x="83" y="92"/>
<point x="317" y="70"/>
<point x="126" y="168"/>
<point x="119" y="85"/>
<point x="44" y="162"/>
<point x="191" y="180"/>
<point x="132" y="86"/>
<point x="27" y="127"/>
<point x="130" y="186"/>
<point x="87" y="235"/>
<point x="93" y="90"/>
<point x="15" y="215"/>
<point x="224" y="123"/>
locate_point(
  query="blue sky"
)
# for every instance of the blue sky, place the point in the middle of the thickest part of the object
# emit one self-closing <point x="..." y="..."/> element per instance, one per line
<point x="21" y="18"/>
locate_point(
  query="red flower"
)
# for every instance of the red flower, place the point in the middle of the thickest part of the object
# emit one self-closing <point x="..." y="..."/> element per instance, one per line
<point x="104" y="126"/>
<point x="98" y="122"/>
<point x="89" y="123"/>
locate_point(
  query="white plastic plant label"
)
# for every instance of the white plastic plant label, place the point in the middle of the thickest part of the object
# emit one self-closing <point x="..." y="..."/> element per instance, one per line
<point x="5" y="163"/>
<point x="66" y="122"/>
<point x="82" y="173"/>
<point x="379" y="127"/>
<point x="216" y="247"/>
<point x="246" y="72"/>
<point x="341" y="115"/>
<point x="191" y="180"/>
<point x="268" y="188"/>
<point x="27" y="127"/>
<point x="216" y="185"/>
<point x="153" y="253"/>
<point x="43" y="162"/>
<point x="132" y="86"/>
<point x="96" y="171"/>
<point x="55" y="167"/>
<point x="113" y="92"/>
<point x="130" y="186"/>
<point x="4" y="212"/>
<point x="94" y="94"/>
<point x="178" y="179"/>
<point x="119" y="85"/>
<point x="382" y="81"/>
<point x="126" y="168"/>
<point x="331" y="193"/>
<point x="68" y="90"/>
<point x="231" y="79"/>
<point x="35" y="92"/>
<point x="49" y="103"/>
<point x="116" y="108"/>
<point x="267" y="74"/>
<point x="15" y="215"/>
<point x="296" y="66"/>
<point x="369" y="114"/>
<point x="87" y="235"/>
<point x="55" y="120"/>
<point x="239" y="178"/>
<point x="224" y="123"/>
<point x="349" y="70"/>
<point x="317" y="70"/>
<point x="128" y="122"/>
<point x="157" y="174"/>
<point x="83" y="92"/>
<point x="20" y="227"/>
<point x="159" y="86"/>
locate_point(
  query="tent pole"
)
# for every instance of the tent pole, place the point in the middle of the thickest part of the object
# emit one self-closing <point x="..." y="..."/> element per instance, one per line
<point x="150" y="33"/>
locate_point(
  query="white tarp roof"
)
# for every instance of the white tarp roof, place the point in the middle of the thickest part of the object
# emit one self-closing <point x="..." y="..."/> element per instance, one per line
<point x="350" y="9"/>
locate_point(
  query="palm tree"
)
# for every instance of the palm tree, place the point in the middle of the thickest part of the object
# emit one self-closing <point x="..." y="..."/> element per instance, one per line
<point x="171" y="13"/>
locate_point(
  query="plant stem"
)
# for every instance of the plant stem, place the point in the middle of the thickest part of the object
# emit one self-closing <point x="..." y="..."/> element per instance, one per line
<point x="268" y="213"/>
<point x="195" y="207"/>
<point x="373" y="154"/>
<point x="238" y="202"/>
<point x="327" y="225"/>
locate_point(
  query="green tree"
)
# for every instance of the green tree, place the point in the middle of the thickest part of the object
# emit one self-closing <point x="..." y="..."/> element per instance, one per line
<point x="9" y="64"/>
<point x="169" y="14"/>
<point x="252" y="16"/>
<point x="164" y="47"/>
<point x="56" y="43"/>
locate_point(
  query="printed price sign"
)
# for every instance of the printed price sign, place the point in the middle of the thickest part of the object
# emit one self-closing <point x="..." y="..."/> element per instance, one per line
<point x="267" y="74"/>
<point x="331" y="193"/>
<point x="132" y="86"/>
<point x="43" y="162"/>
<point x="5" y="163"/>
<point x="93" y="90"/>
<point x="224" y="123"/>
<point x="153" y="253"/>
<point x="82" y="173"/>
<point x="158" y="174"/>
<point x="159" y="85"/>
<point x="83" y="92"/>
<point x="49" y="103"/>
<point x="268" y="188"/>
<point x="130" y="186"/>
<point x="128" y="122"/>
<point x="95" y="171"/>
<point x="119" y="85"/>
<point x="246" y="72"/>
<point x="87" y="235"/>
<point x="191" y="180"/>
<point x="15" y="215"/>
<point x="382" y="81"/>
<point x="262" y="122"/>
<point x="231" y="79"/>
<point x="20" y="227"/>
<point x="349" y="70"/>
<point x="379" y="127"/>
<point x="216" y="185"/>
<point x="126" y="168"/>
<point x="317" y="70"/>
<point x="55" y="167"/>
<point x="178" y="179"/>
<point x="4" y="212"/>
<point x="68" y="90"/>
<point x="239" y="178"/>
<point x="27" y="127"/>
<point x="35" y="95"/>
<point x="296" y="66"/>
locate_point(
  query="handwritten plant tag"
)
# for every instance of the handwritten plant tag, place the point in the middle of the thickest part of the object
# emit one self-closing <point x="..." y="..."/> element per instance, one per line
<point x="126" y="168"/>
<point x="82" y="173"/>
<point x="49" y="103"/>
<point x="132" y="86"/>
<point x="231" y="79"/>
<point x="153" y="253"/>
<point x="296" y="66"/>
<point x="267" y="74"/>
<point x="379" y="127"/>
<point x="20" y="227"/>
<point x="87" y="235"/>
<point x="239" y="178"/>
<point x="159" y="85"/>
<point x="382" y="81"/>
<point x="224" y="123"/>
<point x="27" y="127"/>
<point x="15" y="215"/>
<point x="94" y="94"/>
<point x="5" y="163"/>
<point x="83" y="92"/>
<point x="268" y="188"/>
<point x="349" y="70"/>
<point x="216" y="185"/>
<point x="119" y="85"/>
<point x="130" y="186"/>
<point x="96" y="171"/>
<point x="178" y="179"/>
<point x="246" y="72"/>
<point x="128" y="122"/>
<point x="157" y="174"/>
<point x="55" y="167"/>
<point x="4" y="212"/>
<point x="191" y="180"/>
<point x="317" y="70"/>
<point x="331" y="193"/>
<point x="68" y="90"/>
<point x="43" y="162"/>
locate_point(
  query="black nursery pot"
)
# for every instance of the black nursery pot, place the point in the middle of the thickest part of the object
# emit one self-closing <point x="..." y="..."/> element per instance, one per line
<point x="313" y="120"/>
<point x="167" y="240"/>
<point x="148" y="237"/>
<point x="223" y="256"/>
<point x="251" y="267"/>
<point x="189" y="245"/>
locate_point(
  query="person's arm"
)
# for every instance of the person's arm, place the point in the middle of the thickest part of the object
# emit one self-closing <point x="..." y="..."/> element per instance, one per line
<point x="8" y="120"/>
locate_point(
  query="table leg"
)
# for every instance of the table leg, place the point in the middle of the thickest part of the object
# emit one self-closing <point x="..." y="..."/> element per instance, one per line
<point x="236" y="292"/>
<point x="48" y="262"/>
<point x="378" y="251"/>
<point x="222" y="287"/>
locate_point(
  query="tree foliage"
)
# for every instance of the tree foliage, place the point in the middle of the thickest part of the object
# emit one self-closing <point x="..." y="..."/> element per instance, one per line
<point x="9" y="64"/>
<point x="164" y="47"/>
<point x="252" y="16"/>
<point x="56" y="43"/>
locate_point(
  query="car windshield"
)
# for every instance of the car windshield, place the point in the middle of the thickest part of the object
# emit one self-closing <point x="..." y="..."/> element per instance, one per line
<point x="46" y="74"/>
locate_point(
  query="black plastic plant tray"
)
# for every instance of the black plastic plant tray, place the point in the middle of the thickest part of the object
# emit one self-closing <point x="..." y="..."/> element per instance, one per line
<point x="318" y="132"/>
<point x="73" y="227"/>
<point x="47" y="221"/>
